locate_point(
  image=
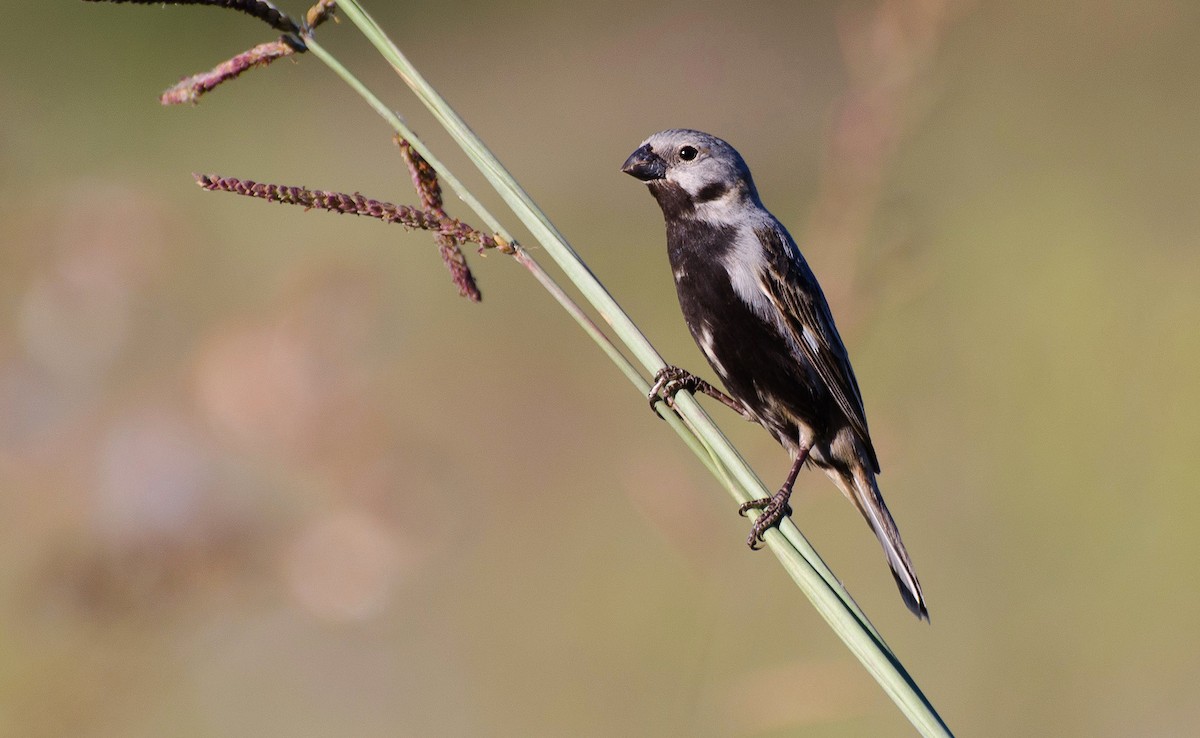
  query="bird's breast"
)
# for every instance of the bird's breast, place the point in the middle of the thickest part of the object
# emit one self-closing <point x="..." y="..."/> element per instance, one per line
<point x="738" y="330"/>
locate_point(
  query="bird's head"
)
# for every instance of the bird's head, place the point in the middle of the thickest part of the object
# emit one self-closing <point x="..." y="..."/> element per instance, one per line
<point x="692" y="174"/>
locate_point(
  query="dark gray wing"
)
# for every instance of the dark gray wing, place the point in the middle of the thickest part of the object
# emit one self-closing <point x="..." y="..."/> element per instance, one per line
<point x="793" y="289"/>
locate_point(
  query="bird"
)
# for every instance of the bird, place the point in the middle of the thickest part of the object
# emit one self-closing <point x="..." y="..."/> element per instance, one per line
<point x="756" y="311"/>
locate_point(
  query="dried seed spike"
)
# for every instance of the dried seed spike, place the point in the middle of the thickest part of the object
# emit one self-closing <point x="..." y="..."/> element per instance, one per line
<point x="460" y="273"/>
<point x="189" y="89"/>
<point x="447" y="232"/>
<point x="424" y="177"/>
<point x="261" y="9"/>
<point x="338" y="202"/>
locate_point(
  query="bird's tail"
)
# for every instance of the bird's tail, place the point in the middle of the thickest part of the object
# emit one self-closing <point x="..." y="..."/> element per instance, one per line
<point x="860" y="486"/>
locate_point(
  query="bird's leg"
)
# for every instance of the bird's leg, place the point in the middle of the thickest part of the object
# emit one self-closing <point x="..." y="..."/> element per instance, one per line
<point x="670" y="380"/>
<point x="774" y="508"/>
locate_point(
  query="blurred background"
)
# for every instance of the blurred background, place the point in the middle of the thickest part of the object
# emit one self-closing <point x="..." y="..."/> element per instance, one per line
<point x="264" y="473"/>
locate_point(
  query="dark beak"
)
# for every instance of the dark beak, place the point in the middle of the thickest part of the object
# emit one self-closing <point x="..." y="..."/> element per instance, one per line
<point x="645" y="165"/>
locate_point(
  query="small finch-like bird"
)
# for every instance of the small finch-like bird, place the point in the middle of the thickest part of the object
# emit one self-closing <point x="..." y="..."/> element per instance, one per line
<point x="756" y="311"/>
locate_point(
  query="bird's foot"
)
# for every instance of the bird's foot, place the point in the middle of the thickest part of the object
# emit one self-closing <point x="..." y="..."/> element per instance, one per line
<point x="774" y="509"/>
<point x="671" y="380"/>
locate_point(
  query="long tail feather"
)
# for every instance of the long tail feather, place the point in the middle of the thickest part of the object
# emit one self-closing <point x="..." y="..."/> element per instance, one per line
<point x="863" y="491"/>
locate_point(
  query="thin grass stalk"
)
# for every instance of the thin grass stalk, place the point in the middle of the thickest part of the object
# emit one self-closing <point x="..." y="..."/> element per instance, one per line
<point x="793" y="550"/>
<point x="613" y="353"/>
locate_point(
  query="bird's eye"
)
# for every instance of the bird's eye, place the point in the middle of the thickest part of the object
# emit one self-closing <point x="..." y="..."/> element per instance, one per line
<point x="687" y="153"/>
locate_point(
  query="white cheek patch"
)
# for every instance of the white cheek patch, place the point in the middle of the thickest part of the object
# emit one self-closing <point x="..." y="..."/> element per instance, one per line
<point x="728" y="207"/>
<point x="691" y="178"/>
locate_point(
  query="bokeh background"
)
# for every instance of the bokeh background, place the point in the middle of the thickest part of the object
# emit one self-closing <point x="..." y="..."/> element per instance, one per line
<point x="263" y="473"/>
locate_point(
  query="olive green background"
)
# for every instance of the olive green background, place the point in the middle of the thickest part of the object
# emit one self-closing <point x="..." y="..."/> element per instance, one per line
<point x="262" y="473"/>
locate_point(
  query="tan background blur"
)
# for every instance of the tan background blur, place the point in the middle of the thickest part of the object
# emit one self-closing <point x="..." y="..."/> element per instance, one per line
<point x="264" y="474"/>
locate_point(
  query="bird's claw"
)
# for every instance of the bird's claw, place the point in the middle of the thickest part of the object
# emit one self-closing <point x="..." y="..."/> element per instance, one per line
<point x="774" y="509"/>
<point x="671" y="380"/>
<point x="668" y="382"/>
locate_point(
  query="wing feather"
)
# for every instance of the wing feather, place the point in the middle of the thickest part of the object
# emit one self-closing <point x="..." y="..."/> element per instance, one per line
<point x="792" y="288"/>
